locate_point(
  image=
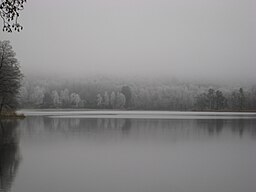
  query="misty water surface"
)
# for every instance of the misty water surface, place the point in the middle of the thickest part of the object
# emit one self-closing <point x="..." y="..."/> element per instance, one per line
<point x="49" y="153"/>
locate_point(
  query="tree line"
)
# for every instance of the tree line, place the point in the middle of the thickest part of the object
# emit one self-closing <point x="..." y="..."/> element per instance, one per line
<point x="135" y="95"/>
<point x="41" y="97"/>
<point x="215" y="100"/>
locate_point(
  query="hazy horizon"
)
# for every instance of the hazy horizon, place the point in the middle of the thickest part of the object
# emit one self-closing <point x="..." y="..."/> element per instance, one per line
<point x="202" y="40"/>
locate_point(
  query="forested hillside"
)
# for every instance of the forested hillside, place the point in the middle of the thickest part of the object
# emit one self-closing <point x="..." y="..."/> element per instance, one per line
<point x="117" y="93"/>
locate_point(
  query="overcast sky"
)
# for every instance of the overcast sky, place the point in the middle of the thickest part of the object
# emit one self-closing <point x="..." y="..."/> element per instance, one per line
<point x="181" y="38"/>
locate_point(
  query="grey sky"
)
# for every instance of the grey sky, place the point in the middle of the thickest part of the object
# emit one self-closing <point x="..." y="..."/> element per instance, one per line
<point x="182" y="38"/>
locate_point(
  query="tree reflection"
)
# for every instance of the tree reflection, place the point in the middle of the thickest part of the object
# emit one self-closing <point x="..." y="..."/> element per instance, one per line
<point x="243" y="126"/>
<point x="123" y="125"/>
<point x="9" y="153"/>
<point x="212" y="126"/>
<point x="237" y="126"/>
<point x="172" y="129"/>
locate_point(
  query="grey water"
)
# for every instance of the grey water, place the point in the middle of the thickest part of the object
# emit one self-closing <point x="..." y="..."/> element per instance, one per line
<point x="128" y="153"/>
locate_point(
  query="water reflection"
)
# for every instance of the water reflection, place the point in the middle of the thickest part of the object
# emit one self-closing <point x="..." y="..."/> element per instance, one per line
<point x="9" y="153"/>
<point x="131" y="127"/>
<point x="212" y="126"/>
<point x="135" y="155"/>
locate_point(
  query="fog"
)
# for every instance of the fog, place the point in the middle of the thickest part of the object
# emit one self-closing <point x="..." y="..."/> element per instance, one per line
<point x="203" y="39"/>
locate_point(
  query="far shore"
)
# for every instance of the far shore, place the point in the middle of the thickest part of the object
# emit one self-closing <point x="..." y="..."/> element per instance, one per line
<point x="133" y="110"/>
<point x="97" y="113"/>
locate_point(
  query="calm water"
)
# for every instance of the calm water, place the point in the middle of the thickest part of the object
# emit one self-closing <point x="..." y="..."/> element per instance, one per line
<point x="77" y="154"/>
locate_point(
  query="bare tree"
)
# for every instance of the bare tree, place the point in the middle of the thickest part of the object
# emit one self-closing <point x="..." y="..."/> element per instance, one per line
<point x="10" y="12"/>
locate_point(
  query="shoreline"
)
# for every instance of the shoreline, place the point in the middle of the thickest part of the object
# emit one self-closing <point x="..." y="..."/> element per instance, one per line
<point x="23" y="111"/>
<point x="146" y="110"/>
<point x="12" y="115"/>
<point x="135" y="114"/>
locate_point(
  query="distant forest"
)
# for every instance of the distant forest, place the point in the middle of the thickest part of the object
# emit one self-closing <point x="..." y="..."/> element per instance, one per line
<point x="116" y="93"/>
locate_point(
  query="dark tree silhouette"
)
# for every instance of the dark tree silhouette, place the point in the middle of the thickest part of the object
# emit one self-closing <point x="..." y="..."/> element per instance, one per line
<point x="211" y="99"/>
<point x="10" y="12"/>
<point x="10" y="77"/>
<point x="221" y="101"/>
<point x="241" y="99"/>
<point x="238" y="99"/>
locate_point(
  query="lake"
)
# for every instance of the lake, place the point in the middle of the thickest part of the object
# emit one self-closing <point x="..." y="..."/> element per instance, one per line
<point x="120" y="151"/>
